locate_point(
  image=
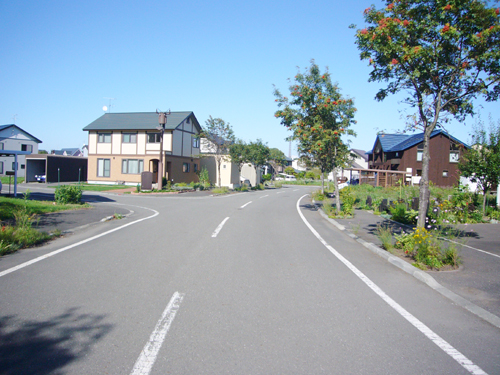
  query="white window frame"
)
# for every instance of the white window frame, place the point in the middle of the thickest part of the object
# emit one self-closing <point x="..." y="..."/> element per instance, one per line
<point x="126" y="166"/>
<point x="186" y="167"/>
<point x="28" y="147"/>
<point x="102" y="171"/>
<point x="196" y="142"/>
<point x="129" y="137"/>
<point x="104" y="138"/>
<point x="420" y="152"/>
<point x="157" y="137"/>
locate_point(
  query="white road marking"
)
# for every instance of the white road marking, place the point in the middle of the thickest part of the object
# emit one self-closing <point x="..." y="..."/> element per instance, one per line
<point x="470" y="247"/>
<point x="264" y="196"/>
<point x="246" y="204"/>
<point x="296" y="190"/>
<point x="26" y="264"/>
<point x="147" y="358"/>
<point x="435" y="338"/>
<point x="280" y="192"/>
<point x="217" y="230"/>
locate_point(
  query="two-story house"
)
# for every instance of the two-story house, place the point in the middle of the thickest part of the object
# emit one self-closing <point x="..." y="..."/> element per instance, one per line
<point x="13" y="138"/>
<point x="404" y="152"/>
<point x="123" y="145"/>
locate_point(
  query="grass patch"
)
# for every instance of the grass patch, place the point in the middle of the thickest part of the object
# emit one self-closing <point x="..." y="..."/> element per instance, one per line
<point x="5" y="180"/>
<point x="8" y="206"/>
<point x="220" y="190"/>
<point x="92" y="187"/>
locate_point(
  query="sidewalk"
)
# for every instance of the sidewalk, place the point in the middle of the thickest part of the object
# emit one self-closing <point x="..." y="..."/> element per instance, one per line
<point x="478" y="278"/>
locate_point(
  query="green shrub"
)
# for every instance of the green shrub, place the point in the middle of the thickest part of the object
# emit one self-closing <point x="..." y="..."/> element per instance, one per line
<point x="348" y="198"/>
<point x="220" y="190"/>
<point x="385" y="236"/>
<point x="317" y="195"/>
<point x="71" y="194"/>
<point x="204" y="177"/>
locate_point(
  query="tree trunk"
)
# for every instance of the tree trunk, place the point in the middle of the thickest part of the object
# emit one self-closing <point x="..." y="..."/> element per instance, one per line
<point x="322" y="182"/>
<point x="424" y="182"/>
<point x="218" y="173"/>
<point x="485" y="191"/>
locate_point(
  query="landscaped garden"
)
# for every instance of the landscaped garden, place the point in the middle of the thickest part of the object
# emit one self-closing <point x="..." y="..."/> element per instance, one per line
<point x="433" y="246"/>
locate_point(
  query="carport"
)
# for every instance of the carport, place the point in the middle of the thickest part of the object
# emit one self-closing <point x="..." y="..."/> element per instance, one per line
<point x="56" y="168"/>
<point x="14" y="153"/>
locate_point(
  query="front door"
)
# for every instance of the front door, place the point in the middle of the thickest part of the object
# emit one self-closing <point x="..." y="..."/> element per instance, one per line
<point x="153" y="167"/>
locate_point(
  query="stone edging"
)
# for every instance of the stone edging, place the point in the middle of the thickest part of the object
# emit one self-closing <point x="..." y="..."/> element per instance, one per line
<point x="419" y="275"/>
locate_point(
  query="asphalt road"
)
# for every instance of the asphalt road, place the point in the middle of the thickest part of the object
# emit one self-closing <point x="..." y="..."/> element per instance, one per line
<point x="253" y="283"/>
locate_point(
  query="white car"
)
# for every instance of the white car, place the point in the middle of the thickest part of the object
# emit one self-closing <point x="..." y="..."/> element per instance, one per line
<point x="285" y="177"/>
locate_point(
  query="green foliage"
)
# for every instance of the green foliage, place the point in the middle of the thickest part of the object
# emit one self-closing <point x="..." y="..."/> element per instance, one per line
<point x="385" y="236"/>
<point x="276" y="159"/>
<point x="310" y="175"/>
<point x="138" y="188"/>
<point x="443" y="55"/>
<point x="220" y="190"/>
<point x="204" y="177"/>
<point x="266" y="177"/>
<point x="348" y="198"/>
<point x="290" y="171"/>
<point x="239" y="153"/>
<point x="328" y="208"/>
<point x="258" y="153"/>
<point x="481" y="163"/>
<point x="317" y="115"/>
<point x="68" y="194"/>
<point x="318" y="195"/>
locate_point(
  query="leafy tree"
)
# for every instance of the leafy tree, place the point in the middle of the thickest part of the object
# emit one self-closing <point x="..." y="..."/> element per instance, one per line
<point x="219" y="137"/>
<point x="442" y="53"/>
<point x="239" y="153"/>
<point x="317" y="115"/>
<point x="258" y="153"/>
<point x="42" y="152"/>
<point x="481" y="163"/>
<point x="290" y="171"/>
<point x="276" y="159"/>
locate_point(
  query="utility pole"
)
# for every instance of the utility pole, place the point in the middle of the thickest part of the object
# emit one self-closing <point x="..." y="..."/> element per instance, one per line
<point x="162" y="120"/>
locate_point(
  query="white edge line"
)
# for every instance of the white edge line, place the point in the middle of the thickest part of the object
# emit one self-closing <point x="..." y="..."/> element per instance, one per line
<point x="26" y="264"/>
<point x="217" y="230"/>
<point x="246" y="204"/>
<point x="435" y="338"/>
<point x="147" y="358"/>
<point x="470" y="247"/>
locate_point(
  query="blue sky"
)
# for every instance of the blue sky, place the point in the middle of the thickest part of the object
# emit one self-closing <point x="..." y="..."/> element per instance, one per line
<point x="61" y="59"/>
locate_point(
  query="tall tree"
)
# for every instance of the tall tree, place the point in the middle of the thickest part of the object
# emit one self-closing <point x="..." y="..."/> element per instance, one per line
<point x="317" y="115"/>
<point x="217" y="136"/>
<point x="258" y="153"/>
<point x="481" y="163"/>
<point x="442" y="53"/>
<point x="239" y="153"/>
<point x="276" y="159"/>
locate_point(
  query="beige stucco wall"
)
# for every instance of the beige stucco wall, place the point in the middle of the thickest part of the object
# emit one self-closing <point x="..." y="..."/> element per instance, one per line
<point x="254" y="175"/>
<point x="228" y="171"/>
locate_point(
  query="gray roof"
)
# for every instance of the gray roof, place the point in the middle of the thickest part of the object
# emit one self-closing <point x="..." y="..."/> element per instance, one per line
<point x="361" y="153"/>
<point x="139" y="121"/>
<point x="2" y="127"/>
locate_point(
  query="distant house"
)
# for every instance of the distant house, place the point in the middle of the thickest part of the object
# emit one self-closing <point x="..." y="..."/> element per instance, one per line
<point x="123" y="145"/>
<point x="68" y="152"/>
<point x="13" y="138"/>
<point x="403" y="152"/>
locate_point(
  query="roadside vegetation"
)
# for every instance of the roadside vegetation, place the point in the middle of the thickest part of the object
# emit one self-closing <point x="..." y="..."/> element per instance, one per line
<point x="434" y="246"/>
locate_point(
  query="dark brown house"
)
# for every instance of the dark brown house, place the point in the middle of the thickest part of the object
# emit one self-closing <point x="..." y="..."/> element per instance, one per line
<point x="399" y="152"/>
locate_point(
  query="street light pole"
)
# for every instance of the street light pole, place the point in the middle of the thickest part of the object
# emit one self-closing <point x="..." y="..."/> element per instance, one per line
<point x="162" y="120"/>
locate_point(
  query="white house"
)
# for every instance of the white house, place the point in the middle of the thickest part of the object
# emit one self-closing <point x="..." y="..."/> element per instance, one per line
<point x="13" y="138"/>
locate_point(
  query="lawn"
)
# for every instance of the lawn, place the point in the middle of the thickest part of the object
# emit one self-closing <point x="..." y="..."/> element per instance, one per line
<point x="8" y="206"/>
<point x="92" y="187"/>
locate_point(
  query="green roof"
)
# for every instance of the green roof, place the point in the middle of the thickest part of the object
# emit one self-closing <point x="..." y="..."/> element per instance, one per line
<point x="139" y="121"/>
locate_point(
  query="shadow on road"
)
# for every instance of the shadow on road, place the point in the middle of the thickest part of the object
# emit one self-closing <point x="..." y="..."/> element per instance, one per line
<point x="45" y="347"/>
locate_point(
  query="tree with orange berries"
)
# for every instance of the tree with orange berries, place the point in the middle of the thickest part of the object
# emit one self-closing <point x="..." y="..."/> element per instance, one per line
<point x="441" y="53"/>
<point x="318" y="116"/>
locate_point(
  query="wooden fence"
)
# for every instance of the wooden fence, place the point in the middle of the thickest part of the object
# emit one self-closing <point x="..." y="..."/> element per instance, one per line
<point x="377" y="177"/>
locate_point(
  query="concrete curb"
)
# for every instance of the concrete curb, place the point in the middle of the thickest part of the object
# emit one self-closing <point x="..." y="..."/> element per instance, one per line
<point x="419" y="275"/>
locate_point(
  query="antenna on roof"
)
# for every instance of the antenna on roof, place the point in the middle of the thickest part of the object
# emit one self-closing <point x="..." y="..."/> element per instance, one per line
<point x="108" y="107"/>
<point x="14" y="118"/>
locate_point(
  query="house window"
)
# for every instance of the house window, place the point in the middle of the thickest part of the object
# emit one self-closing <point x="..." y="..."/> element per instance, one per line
<point x="445" y="173"/>
<point x="23" y="166"/>
<point x="195" y="168"/>
<point x="419" y="172"/>
<point x="1" y="167"/>
<point x="154" y="137"/>
<point x="420" y="152"/>
<point x="129" y="137"/>
<point x="385" y="157"/>
<point x="14" y="166"/>
<point x="1" y="146"/>
<point x="103" y="167"/>
<point x="27" y="148"/>
<point x="454" y="153"/>
<point x="104" y="138"/>
<point x="196" y="142"/>
<point x="132" y="166"/>
<point x="185" y="167"/>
